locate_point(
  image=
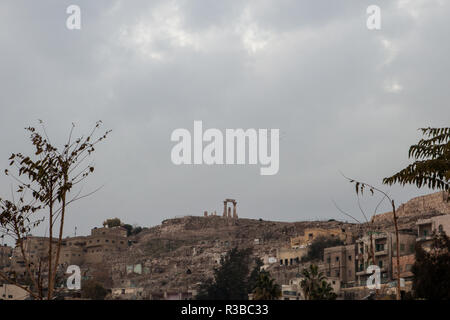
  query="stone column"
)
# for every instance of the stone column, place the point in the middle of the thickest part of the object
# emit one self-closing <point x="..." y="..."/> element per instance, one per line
<point x="234" y="210"/>
<point x="229" y="212"/>
<point x="224" y="209"/>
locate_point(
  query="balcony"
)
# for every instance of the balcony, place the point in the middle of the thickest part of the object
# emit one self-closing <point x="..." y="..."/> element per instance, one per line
<point x="423" y="238"/>
<point x="381" y="252"/>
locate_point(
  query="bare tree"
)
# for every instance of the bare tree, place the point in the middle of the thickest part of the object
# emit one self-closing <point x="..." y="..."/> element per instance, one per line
<point x="359" y="189"/>
<point x="47" y="179"/>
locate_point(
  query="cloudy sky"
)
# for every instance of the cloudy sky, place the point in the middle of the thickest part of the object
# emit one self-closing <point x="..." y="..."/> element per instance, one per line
<point x="345" y="98"/>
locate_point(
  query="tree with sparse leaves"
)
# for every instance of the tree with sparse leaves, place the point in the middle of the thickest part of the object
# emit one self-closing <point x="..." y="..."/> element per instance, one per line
<point x="111" y="223"/>
<point x="431" y="166"/>
<point x="45" y="184"/>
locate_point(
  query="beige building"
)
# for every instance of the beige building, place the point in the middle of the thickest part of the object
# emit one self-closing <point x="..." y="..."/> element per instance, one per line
<point x="36" y="253"/>
<point x="5" y="256"/>
<point x="406" y="264"/>
<point x="293" y="290"/>
<point x="13" y="292"/>
<point x="74" y="250"/>
<point x="290" y="256"/>
<point x="340" y="263"/>
<point x="313" y="233"/>
<point x="104" y="241"/>
<point x="435" y="225"/>
<point x="384" y="247"/>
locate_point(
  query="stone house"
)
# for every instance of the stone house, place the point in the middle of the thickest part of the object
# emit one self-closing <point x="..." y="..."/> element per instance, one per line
<point x="339" y="262"/>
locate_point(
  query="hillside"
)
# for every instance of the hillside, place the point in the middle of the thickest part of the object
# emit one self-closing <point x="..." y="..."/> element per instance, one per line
<point x="165" y="253"/>
<point x="182" y="252"/>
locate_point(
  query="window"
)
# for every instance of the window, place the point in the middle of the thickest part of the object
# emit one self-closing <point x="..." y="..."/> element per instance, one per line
<point x="349" y="258"/>
<point x="380" y="263"/>
<point x="441" y="228"/>
<point x="337" y="259"/>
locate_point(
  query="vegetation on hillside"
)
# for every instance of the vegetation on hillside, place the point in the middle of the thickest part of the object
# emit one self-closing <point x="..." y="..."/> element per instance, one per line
<point x="316" y="248"/>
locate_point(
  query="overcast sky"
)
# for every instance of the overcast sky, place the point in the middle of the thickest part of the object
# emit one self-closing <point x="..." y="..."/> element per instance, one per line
<point x="344" y="98"/>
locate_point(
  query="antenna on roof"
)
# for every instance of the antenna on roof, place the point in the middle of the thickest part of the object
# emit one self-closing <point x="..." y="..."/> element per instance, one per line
<point x="75" y="231"/>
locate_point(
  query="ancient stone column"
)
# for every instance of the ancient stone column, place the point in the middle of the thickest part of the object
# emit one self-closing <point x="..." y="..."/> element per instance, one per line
<point x="229" y="212"/>
<point x="224" y="209"/>
<point x="234" y="211"/>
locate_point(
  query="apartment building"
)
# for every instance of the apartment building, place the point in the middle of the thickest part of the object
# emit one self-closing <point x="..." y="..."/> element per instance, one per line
<point x="12" y="292"/>
<point x="340" y="263"/>
<point x="426" y="228"/>
<point x="5" y="256"/>
<point x="384" y="249"/>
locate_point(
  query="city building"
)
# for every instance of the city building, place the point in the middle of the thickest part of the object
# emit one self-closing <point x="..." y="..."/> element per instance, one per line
<point x="406" y="264"/>
<point x="290" y="256"/>
<point x="339" y="262"/>
<point x="426" y="228"/>
<point x="5" y="256"/>
<point x="384" y="249"/>
<point x="12" y="292"/>
<point x="311" y="234"/>
<point x="92" y="249"/>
